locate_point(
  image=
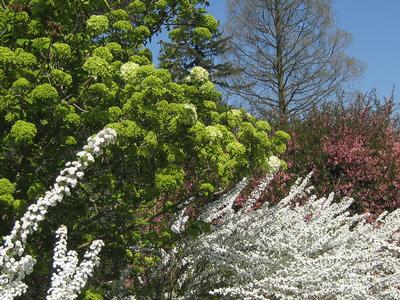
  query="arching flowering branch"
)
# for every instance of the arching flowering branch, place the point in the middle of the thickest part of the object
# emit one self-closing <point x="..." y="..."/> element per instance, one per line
<point x="69" y="278"/>
<point x="223" y="207"/>
<point x="179" y="223"/>
<point x="14" y="265"/>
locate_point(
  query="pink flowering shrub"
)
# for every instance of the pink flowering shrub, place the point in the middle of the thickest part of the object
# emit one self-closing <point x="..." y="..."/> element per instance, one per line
<point x="371" y="173"/>
<point x="352" y="148"/>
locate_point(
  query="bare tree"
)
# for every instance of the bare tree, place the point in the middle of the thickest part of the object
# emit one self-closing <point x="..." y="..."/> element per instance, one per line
<point x="290" y="52"/>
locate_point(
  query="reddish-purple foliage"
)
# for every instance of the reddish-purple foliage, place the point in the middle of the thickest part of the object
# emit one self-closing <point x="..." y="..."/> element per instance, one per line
<point x="370" y="173"/>
<point x="354" y="149"/>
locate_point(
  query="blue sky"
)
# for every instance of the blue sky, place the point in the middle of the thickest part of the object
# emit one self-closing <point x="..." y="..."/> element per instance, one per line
<point x="375" y="27"/>
<point x="376" y="40"/>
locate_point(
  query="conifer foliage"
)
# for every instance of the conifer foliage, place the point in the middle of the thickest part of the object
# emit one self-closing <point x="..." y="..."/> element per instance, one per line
<point x="197" y="40"/>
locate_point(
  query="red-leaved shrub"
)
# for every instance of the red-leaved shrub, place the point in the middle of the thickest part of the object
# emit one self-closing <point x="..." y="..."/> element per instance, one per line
<point x="353" y="149"/>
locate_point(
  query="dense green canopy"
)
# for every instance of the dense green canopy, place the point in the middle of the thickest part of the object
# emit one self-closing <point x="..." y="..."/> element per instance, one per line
<point x="71" y="67"/>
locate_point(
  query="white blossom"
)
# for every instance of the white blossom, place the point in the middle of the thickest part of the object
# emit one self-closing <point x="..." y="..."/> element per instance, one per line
<point x="223" y="206"/>
<point x="14" y="265"/>
<point x="178" y="225"/>
<point x="289" y="251"/>
<point x="69" y="278"/>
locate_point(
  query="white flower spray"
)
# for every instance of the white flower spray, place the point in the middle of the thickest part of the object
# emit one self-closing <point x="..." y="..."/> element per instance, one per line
<point x="69" y="278"/>
<point x="14" y="265"/>
<point x="289" y="251"/>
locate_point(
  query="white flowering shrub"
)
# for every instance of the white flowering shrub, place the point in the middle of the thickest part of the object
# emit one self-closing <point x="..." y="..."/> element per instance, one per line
<point x="317" y="250"/>
<point x="69" y="277"/>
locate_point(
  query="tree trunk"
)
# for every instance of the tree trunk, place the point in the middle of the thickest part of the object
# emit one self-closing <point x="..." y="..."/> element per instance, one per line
<point x="282" y="107"/>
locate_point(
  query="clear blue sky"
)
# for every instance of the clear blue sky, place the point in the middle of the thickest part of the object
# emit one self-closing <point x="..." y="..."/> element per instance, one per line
<point x="375" y="27"/>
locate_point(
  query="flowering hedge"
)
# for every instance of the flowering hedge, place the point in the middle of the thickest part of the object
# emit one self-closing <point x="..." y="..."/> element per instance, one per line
<point x="317" y="250"/>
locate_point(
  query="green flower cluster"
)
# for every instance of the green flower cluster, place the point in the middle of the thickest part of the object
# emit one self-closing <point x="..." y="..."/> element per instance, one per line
<point x="7" y="189"/>
<point x="198" y="75"/>
<point x="97" y="24"/>
<point x="129" y="71"/>
<point x="23" y="132"/>
<point x="7" y="202"/>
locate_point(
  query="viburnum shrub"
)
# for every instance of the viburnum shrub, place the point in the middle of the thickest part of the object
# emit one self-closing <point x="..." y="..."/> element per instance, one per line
<point x="69" y="68"/>
<point x="352" y="148"/>
<point x="316" y="250"/>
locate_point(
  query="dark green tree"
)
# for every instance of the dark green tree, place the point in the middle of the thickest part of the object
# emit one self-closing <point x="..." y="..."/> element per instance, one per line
<point x="196" y="40"/>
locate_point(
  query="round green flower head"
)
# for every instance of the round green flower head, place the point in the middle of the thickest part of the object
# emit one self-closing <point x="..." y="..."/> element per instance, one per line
<point x="206" y="189"/>
<point x="21" y="84"/>
<point x="213" y="133"/>
<point x="202" y="33"/>
<point x="70" y="141"/>
<point x="6" y="187"/>
<point x="72" y="120"/>
<point x="44" y="92"/>
<point x="42" y="43"/>
<point x="61" y="50"/>
<point x="123" y="25"/>
<point x="129" y="71"/>
<point x="114" y="47"/>
<point x="210" y="105"/>
<point x="263" y="125"/>
<point x="199" y="75"/>
<point x="142" y="31"/>
<point x="282" y="136"/>
<point x="118" y="14"/>
<point x="24" y="59"/>
<point x="169" y="179"/>
<point x="104" y="53"/>
<point x="137" y="6"/>
<point x="209" y="22"/>
<point x="6" y="55"/>
<point x="97" y="24"/>
<point x="114" y="113"/>
<point x="23" y="132"/>
<point x="97" y="66"/>
<point x="207" y="88"/>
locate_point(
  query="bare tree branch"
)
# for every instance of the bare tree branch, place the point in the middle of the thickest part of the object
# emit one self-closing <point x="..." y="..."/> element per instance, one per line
<point x="290" y="53"/>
